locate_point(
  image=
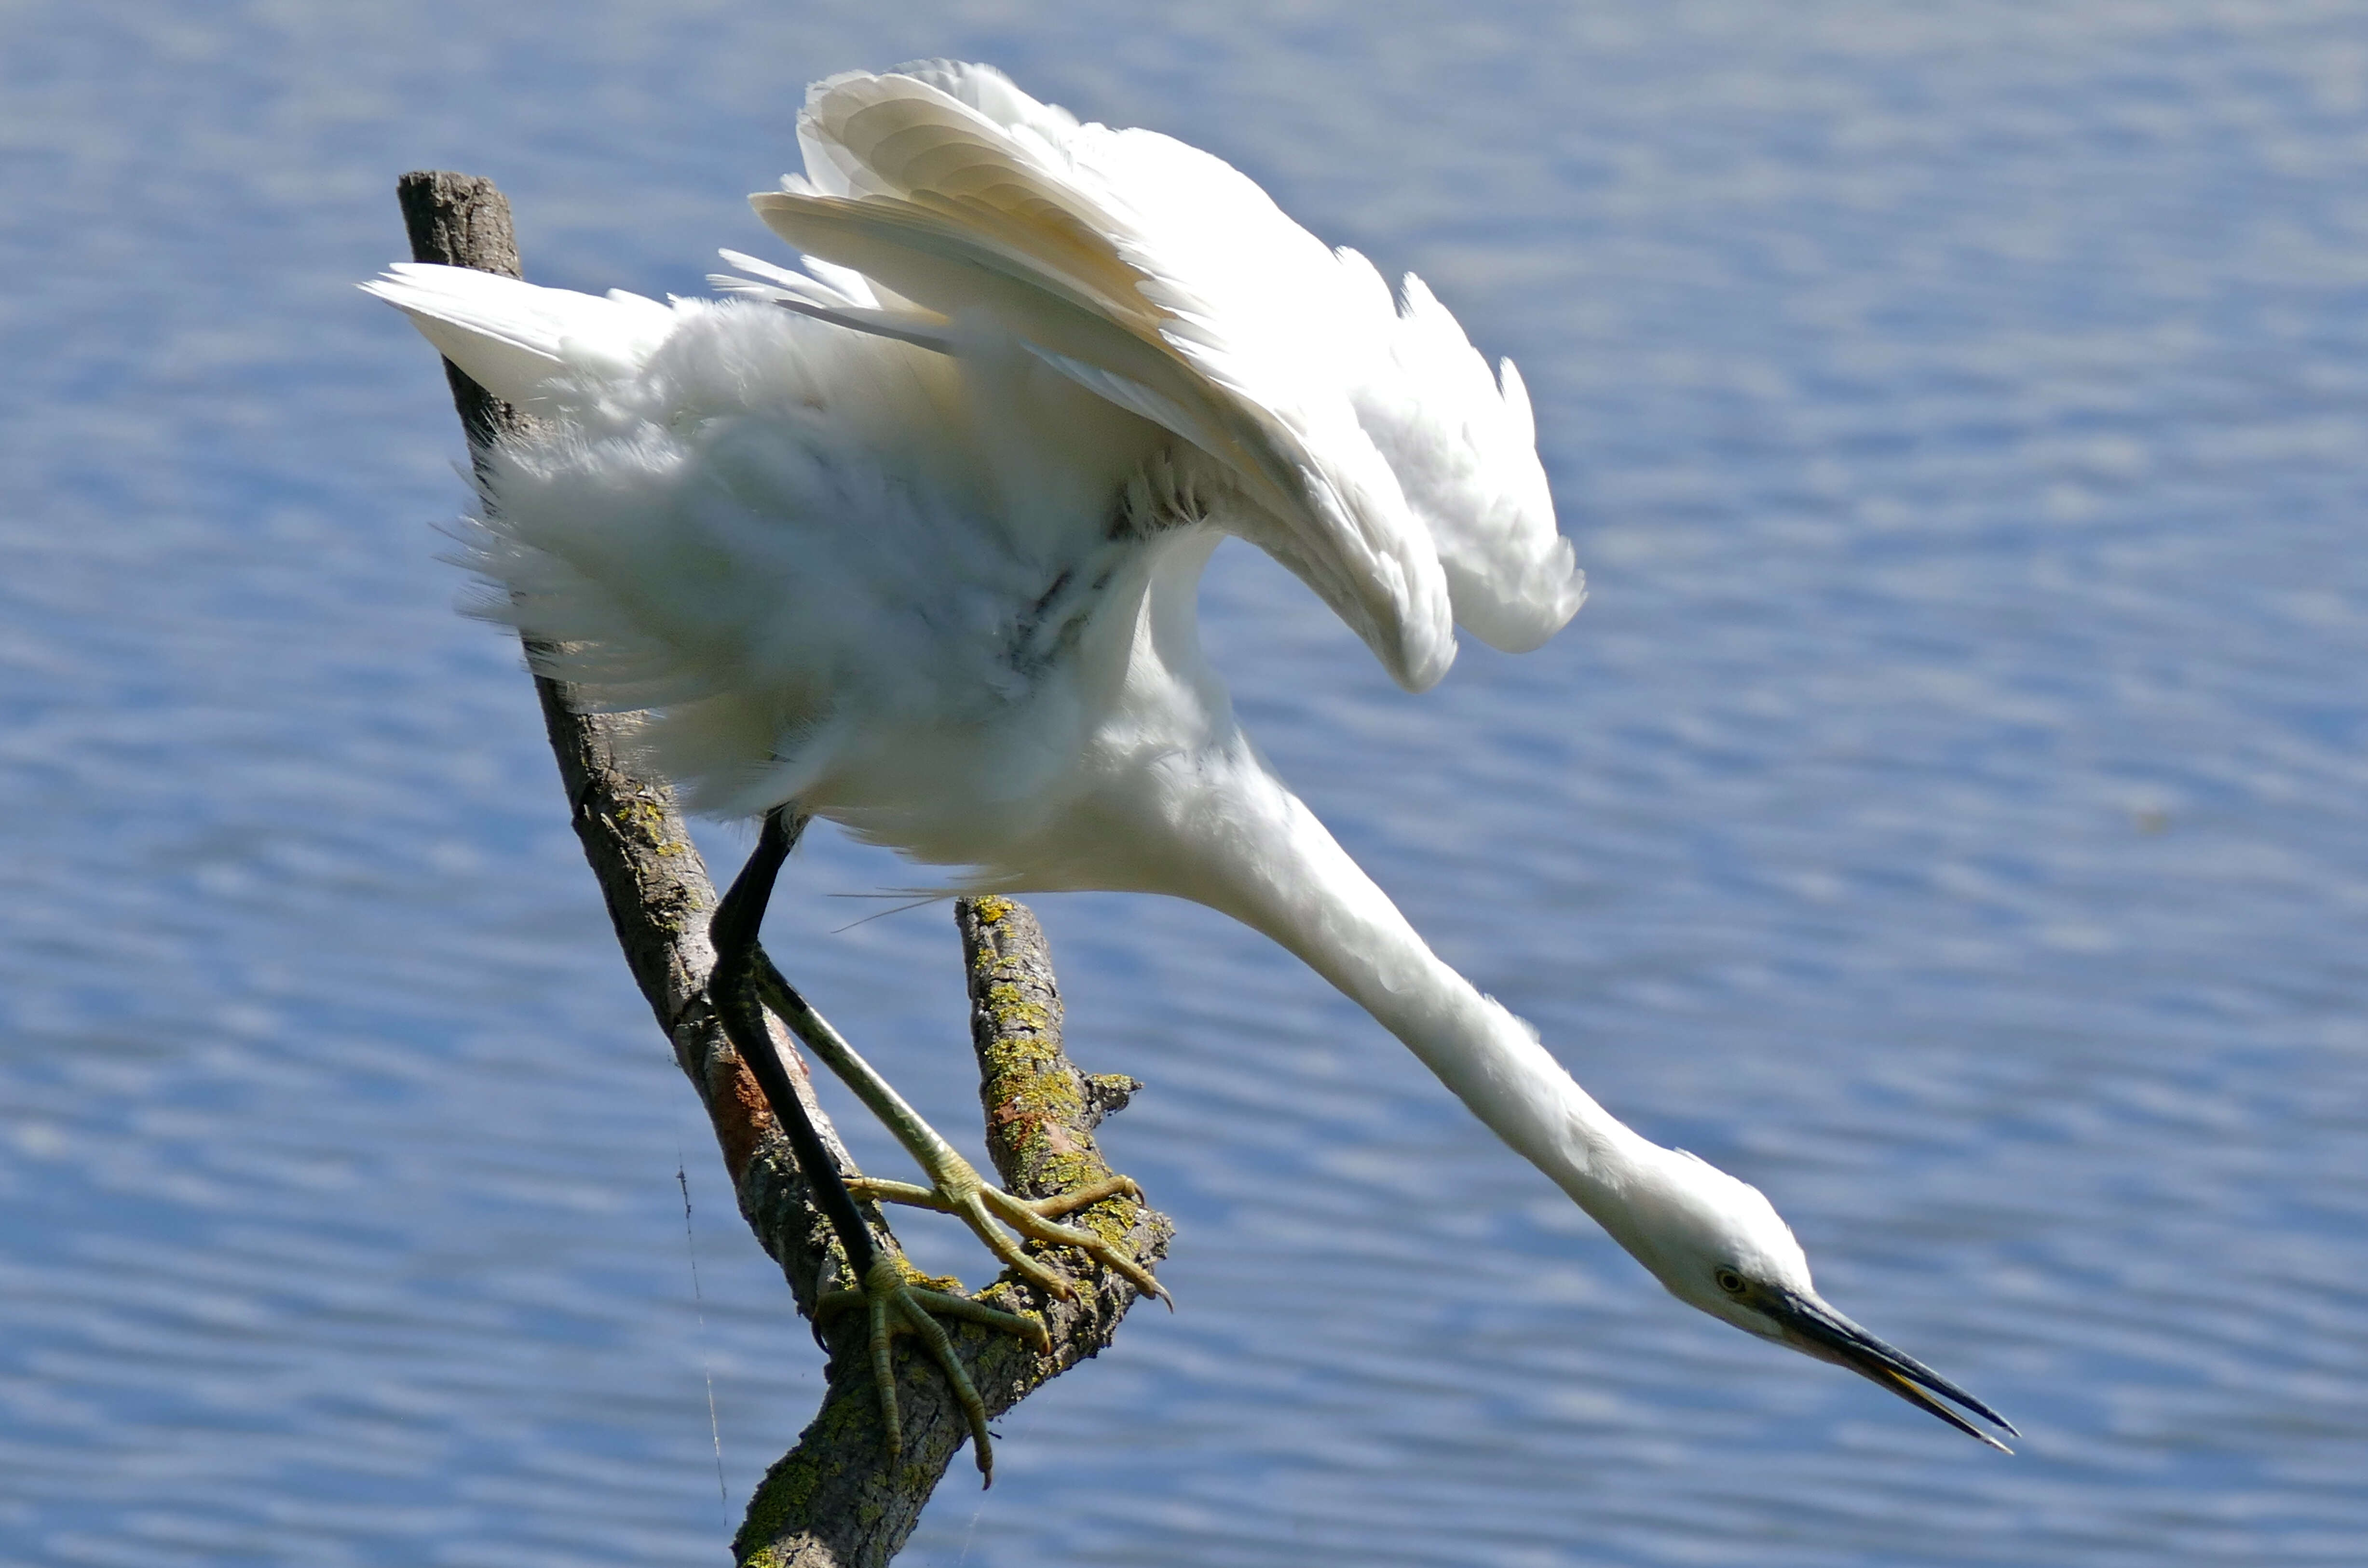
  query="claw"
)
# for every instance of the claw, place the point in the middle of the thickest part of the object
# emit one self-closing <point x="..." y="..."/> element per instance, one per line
<point x="1035" y="1220"/>
<point x="963" y="1194"/>
<point x="894" y="1306"/>
<point x="956" y="1187"/>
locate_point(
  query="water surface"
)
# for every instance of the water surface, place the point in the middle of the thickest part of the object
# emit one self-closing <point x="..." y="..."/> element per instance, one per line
<point x="1947" y="813"/>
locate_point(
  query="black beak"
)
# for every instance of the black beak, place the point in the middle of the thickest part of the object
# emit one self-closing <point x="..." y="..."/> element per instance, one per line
<point x="1810" y="1325"/>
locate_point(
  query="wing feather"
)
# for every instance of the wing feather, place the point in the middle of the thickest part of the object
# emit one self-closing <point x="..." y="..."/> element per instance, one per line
<point x="928" y="193"/>
<point x="1239" y="274"/>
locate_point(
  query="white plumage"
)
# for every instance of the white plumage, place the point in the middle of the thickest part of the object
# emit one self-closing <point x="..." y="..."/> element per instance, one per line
<point x="912" y="540"/>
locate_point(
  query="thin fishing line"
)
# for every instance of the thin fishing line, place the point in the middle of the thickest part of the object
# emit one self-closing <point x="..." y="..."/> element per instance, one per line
<point x="714" y="1429"/>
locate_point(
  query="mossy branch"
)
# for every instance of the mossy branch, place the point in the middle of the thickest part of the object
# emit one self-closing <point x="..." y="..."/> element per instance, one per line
<point x="833" y="1501"/>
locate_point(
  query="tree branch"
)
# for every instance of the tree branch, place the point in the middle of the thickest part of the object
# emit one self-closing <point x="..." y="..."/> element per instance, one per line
<point x="831" y="1502"/>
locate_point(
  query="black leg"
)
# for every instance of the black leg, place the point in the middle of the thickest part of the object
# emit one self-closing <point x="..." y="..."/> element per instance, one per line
<point x="733" y="989"/>
<point x="890" y="1302"/>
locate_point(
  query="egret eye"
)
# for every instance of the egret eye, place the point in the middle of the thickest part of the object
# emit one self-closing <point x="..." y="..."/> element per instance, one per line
<point x="1730" y="1281"/>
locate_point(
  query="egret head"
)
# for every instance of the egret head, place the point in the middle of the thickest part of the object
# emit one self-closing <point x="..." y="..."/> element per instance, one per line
<point x="1717" y="1244"/>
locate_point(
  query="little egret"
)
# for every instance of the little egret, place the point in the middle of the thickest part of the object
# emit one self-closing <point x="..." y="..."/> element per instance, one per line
<point x="911" y="541"/>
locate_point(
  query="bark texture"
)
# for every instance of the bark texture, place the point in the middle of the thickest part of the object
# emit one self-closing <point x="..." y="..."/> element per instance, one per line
<point x="833" y="1501"/>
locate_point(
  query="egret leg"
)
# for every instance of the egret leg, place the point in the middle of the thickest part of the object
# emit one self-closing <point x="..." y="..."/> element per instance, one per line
<point x="891" y="1301"/>
<point x="956" y="1187"/>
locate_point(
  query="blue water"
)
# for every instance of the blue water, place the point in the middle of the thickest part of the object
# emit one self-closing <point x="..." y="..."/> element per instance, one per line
<point x="1950" y="812"/>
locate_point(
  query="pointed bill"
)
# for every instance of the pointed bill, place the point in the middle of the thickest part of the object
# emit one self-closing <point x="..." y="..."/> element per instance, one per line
<point x="1811" y="1326"/>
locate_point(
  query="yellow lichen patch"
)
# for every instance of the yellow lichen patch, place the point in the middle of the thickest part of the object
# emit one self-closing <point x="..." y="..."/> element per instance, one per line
<point x="944" y="1283"/>
<point x="1036" y="1099"/>
<point x="647" y="821"/>
<point x="1015" y="1012"/>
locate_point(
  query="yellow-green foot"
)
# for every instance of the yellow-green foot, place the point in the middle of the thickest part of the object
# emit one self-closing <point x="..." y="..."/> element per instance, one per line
<point x="957" y="1188"/>
<point x="894" y="1305"/>
<point x="962" y="1192"/>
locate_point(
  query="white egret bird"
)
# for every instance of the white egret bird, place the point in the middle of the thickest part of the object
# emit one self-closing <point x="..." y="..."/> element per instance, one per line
<point x="911" y="541"/>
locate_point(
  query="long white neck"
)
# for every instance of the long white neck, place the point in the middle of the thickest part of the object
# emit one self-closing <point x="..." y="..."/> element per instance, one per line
<point x="1259" y="854"/>
<point x="1186" y="806"/>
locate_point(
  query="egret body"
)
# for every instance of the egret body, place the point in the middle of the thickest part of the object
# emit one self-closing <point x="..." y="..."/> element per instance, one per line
<point x="911" y="540"/>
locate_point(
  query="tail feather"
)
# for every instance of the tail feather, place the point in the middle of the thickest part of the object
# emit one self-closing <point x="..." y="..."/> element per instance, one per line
<point x="514" y="337"/>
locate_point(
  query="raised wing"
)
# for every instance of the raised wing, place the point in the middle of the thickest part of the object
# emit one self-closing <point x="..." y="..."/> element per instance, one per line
<point x="1167" y="281"/>
<point x="1157" y="275"/>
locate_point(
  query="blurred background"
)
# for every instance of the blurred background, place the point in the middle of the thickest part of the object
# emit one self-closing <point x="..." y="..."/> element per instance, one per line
<point x="1947" y="813"/>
